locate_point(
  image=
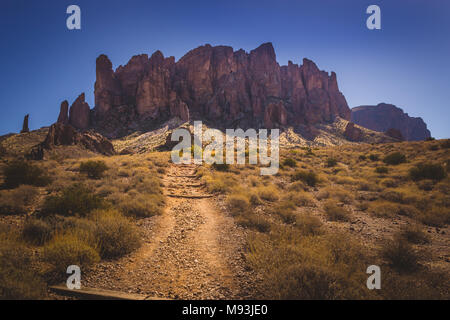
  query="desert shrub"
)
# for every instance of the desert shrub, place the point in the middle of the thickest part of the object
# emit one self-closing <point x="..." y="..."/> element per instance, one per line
<point x="400" y="255"/>
<point x="294" y="266"/>
<point x="141" y="205"/>
<point x="300" y="198"/>
<point x="18" y="280"/>
<point x="68" y="249"/>
<point x="289" y="162"/>
<point x="254" y="199"/>
<point x="93" y="169"/>
<point x="430" y="171"/>
<point x="331" y="162"/>
<point x="309" y="177"/>
<point x="220" y="166"/>
<point x="255" y="222"/>
<point x="374" y="157"/>
<point x="395" y="158"/>
<point x="435" y="217"/>
<point x="389" y="183"/>
<point x="381" y="170"/>
<point x="297" y="186"/>
<point x="220" y="182"/>
<point x="268" y="193"/>
<point x="151" y="185"/>
<point x="383" y="209"/>
<point x="309" y="225"/>
<point x="16" y="201"/>
<point x="285" y="210"/>
<point x="19" y="172"/>
<point x="335" y="212"/>
<point x="115" y="235"/>
<point x="74" y="200"/>
<point x="414" y="234"/>
<point x="36" y="231"/>
<point x="362" y="157"/>
<point x="426" y="185"/>
<point x="237" y="204"/>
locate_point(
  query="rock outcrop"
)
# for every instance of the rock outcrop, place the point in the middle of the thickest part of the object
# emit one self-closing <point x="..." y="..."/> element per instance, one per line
<point x="60" y="134"/>
<point x="79" y="114"/>
<point x="383" y="117"/>
<point x="25" y="128"/>
<point x="353" y="133"/>
<point x="394" y="133"/>
<point x="63" y="112"/>
<point x="215" y="84"/>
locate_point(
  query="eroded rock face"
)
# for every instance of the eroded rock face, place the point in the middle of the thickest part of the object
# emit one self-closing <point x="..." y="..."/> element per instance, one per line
<point x="60" y="134"/>
<point x="383" y="117"/>
<point x="25" y="128"/>
<point x="64" y="113"/>
<point x="79" y="113"/>
<point x="353" y="133"/>
<point x="226" y="87"/>
<point x="394" y="133"/>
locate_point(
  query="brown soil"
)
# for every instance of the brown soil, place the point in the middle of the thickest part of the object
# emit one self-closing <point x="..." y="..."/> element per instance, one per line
<point x="191" y="251"/>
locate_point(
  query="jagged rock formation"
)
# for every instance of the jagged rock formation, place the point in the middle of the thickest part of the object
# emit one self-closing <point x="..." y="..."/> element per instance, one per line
<point x="79" y="113"/>
<point x="383" y="117"/>
<point x="63" y="113"/>
<point x="216" y="84"/>
<point x="353" y="133"/>
<point x="25" y="124"/>
<point x="60" y="134"/>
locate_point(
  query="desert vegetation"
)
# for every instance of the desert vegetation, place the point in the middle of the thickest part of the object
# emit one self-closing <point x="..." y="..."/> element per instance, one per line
<point x="311" y="230"/>
<point x="74" y="211"/>
<point x="330" y="212"/>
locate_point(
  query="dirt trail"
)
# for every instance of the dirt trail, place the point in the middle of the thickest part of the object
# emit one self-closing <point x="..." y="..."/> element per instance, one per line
<point x="191" y="251"/>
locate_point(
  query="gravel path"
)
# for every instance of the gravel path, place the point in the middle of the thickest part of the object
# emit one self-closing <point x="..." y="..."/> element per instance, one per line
<point x="191" y="251"/>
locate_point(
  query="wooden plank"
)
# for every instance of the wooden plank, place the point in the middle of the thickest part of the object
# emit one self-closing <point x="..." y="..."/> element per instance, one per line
<point x="99" y="294"/>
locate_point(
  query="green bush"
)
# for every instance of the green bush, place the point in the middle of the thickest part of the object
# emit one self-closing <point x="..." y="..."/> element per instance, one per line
<point x="74" y="200"/>
<point x="289" y="162"/>
<point x="309" y="177"/>
<point x="18" y="279"/>
<point x="93" y="169"/>
<point x="374" y="157"/>
<point x="427" y="171"/>
<point x="19" y="172"/>
<point x="395" y="158"/>
<point x="36" y="231"/>
<point x="115" y="235"/>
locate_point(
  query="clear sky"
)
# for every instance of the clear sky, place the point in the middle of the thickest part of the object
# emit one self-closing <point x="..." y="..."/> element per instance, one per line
<point x="406" y="63"/>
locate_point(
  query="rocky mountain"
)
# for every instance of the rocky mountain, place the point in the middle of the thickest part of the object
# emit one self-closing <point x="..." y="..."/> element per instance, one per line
<point x="217" y="84"/>
<point x="384" y="117"/>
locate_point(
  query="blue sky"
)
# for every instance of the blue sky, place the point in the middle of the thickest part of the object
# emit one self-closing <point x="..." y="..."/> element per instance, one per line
<point x="406" y="63"/>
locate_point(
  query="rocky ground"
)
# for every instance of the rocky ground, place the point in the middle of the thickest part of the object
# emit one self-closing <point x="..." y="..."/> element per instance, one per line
<point x="192" y="251"/>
